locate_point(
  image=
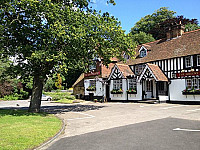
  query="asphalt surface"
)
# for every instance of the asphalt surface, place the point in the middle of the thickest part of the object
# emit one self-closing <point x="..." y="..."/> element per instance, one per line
<point x="151" y="135"/>
<point x="122" y="126"/>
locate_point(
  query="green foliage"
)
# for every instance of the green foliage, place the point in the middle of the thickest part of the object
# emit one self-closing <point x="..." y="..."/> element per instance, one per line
<point x="191" y="27"/>
<point x="91" y="88"/>
<point x="48" y="87"/>
<point x="157" y="23"/>
<point x="147" y="23"/>
<point x="22" y="130"/>
<point x="60" y="95"/>
<point x="142" y="37"/>
<point x="58" y="82"/>
<point x="50" y="35"/>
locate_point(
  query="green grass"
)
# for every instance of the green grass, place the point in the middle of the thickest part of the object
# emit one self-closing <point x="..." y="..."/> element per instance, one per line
<point x="60" y="95"/>
<point x="21" y="130"/>
<point x="64" y="101"/>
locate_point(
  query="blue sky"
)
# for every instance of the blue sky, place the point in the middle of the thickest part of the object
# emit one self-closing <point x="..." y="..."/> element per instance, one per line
<point x="131" y="11"/>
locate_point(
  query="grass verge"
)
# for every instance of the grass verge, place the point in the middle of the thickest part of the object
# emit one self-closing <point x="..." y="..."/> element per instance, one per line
<point x="63" y="97"/>
<point x="60" y="95"/>
<point x="22" y="130"/>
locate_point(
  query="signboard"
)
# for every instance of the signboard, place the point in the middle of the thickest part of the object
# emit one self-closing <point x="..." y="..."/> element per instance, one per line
<point x="92" y="74"/>
<point x="186" y="74"/>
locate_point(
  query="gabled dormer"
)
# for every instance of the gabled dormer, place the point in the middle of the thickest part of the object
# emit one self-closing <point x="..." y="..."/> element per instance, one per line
<point x="143" y="51"/>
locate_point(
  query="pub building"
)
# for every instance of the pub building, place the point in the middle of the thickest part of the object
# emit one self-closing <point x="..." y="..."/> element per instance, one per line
<point x="165" y="70"/>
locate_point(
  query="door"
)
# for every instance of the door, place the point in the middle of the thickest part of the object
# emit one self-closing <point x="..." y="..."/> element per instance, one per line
<point x="107" y="92"/>
<point x="148" y="89"/>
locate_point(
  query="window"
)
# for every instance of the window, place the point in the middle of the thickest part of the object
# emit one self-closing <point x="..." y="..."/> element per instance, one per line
<point x="193" y="83"/>
<point x="198" y="60"/>
<point x="117" y="84"/>
<point x="92" y="66"/>
<point x="188" y="61"/>
<point x="132" y="83"/>
<point x="143" y="53"/>
<point x="139" y="68"/>
<point x="92" y="83"/>
<point x="148" y="86"/>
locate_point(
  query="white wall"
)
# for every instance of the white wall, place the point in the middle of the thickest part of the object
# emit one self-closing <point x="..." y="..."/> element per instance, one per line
<point x="119" y="96"/>
<point x="176" y="87"/>
<point x="99" y="87"/>
<point x="137" y="96"/>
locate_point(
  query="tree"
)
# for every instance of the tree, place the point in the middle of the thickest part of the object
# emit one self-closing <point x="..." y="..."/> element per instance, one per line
<point x="142" y="37"/>
<point x="147" y="23"/>
<point x="157" y="23"/>
<point x="191" y="27"/>
<point x="160" y="30"/>
<point x="49" y="35"/>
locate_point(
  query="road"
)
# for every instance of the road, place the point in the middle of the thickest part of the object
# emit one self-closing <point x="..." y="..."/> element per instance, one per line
<point x="109" y="126"/>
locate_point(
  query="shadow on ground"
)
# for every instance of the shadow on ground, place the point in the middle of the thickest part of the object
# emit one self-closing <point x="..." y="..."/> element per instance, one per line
<point x="71" y="108"/>
<point x="55" y="109"/>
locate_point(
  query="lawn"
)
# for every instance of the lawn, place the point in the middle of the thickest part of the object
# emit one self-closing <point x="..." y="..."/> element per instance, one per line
<point x="62" y="97"/>
<point x="21" y="130"/>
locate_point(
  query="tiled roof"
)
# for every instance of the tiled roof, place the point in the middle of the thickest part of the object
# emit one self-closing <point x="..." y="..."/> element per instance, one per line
<point x="160" y="76"/>
<point x="187" y="44"/>
<point x="106" y="70"/>
<point x="125" y="69"/>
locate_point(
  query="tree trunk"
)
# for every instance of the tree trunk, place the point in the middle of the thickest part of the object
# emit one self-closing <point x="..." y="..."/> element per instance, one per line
<point x="35" y="103"/>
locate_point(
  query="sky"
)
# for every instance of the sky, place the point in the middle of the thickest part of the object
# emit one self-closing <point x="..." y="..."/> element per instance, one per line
<point x="129" y="12"/>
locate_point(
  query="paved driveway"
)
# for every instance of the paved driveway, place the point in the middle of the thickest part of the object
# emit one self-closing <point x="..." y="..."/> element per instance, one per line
<point x="112" y="125"/>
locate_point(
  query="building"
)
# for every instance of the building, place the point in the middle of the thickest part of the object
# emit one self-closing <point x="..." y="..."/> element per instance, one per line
<point x="96" y="80"/>
<point x="78" y="87"/>
<point x="166" y="69"/>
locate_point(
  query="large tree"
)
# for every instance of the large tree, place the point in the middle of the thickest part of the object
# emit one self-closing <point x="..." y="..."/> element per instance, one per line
<point x="159" y="31"/>
<point x="148" y="22"/>
<point x="141" y="37"/>
<point x="156" y="23"/>
<point x="49" y="35"/>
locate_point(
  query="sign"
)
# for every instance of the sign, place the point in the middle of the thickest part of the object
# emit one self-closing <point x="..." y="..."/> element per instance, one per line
<point x="186" y="74"/>
<point x="92" y="74"/>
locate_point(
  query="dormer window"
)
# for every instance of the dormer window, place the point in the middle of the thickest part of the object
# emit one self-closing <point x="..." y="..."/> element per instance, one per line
<point x="143" y="52"/>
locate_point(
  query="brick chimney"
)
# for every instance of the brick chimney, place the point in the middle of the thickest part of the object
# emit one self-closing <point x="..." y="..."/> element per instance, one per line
<point x="174" y="31"/>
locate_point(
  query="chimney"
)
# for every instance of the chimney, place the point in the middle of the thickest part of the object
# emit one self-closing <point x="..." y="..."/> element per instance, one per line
<point x="175" y="30"/>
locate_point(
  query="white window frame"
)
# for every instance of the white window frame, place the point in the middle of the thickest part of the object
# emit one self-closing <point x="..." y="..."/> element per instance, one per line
<point x="92" y="83"/>
<point x="193" y="83"/>
<point x="117" y="84"/>
<point x="132" y="83"/>
<point x="143" y="53"/>
<point x="198" y="60"/>
<point x="188" y="59"/>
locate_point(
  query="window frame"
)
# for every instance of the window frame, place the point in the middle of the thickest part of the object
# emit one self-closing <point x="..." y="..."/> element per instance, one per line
<point x="143" y="53"/>
<point x="132" y="84"/>
<point x="148" y="86"/>
<point x="198" y="60"/>
<point x="188" y="59"/>
<point x="92" y="83"/>
<point x="194" y="83"/>
<point x="117" y="84"/>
